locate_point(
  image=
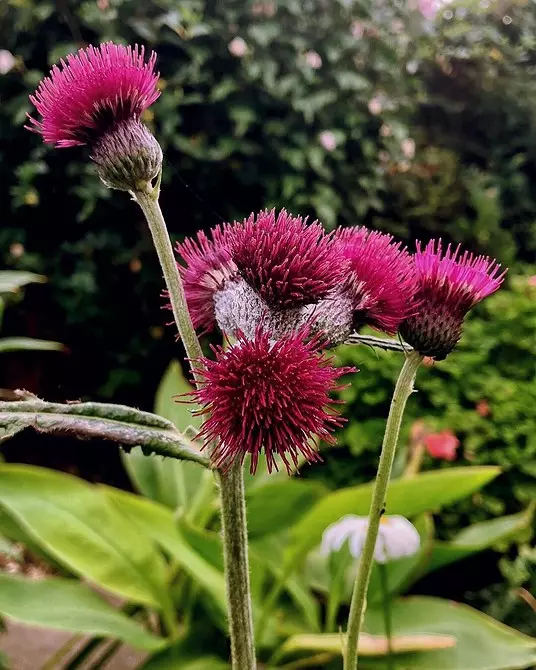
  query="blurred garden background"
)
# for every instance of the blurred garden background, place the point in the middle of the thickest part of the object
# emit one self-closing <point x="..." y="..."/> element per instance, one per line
<point x="413" y="117"/>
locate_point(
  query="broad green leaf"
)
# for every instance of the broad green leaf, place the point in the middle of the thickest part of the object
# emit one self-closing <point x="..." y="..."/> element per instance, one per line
<point x="410" y="497"/>
<point x="478" y="537"/>
<point x="158" y="523"/>
<point x="279" y="505"/>
<point x="13" y="280"/>
<point x="369" y="645"/>
<point x="168" y="481"/>
<point x="481" y="642"/>
<point x="127" y="426"/>
<point x="76" y="523"/>
<point x="8" y="344"/>
<point x="69" y="605"/>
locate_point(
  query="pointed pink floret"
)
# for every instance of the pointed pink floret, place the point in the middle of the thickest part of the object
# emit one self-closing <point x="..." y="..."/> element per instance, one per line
<point x="382" y="278"/>
<point x="272" y="396"/>
<point x="208" y="266"/>
<point x="449" y="284"/>
<point x="91" y="90"/>
<point x="288" y="261"/>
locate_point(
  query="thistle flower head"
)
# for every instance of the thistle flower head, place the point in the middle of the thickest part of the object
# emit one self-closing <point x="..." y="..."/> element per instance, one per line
<point x="265" y="395"/>
<point x="289" y="262"/>
<point x="397" y="537"/>
<point x="382" y="277"/>
<point x="92" y="91"/>
<point x="449" y="284"/>
<point x="209" y="266"/>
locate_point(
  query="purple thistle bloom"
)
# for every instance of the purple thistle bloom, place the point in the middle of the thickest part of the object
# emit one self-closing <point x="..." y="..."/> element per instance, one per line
<point x="272" y="396"/>
<point x="449" y="284"/>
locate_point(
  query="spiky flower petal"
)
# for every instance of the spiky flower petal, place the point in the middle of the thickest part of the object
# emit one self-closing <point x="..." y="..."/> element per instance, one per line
<point x="208" y="266"/>
<point x="383" y="278"/>
<point x="265" y="395"/>
<point x="288" y="261"/>
<point x="93" y="90"/>
<point x="449" y="284"/>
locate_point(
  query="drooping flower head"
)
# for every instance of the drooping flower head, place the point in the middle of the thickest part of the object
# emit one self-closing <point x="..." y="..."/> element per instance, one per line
<point x="449" y="284"/>
<point x="96" y="97"/>
<point x="265" y="395"/>
<point x="288" y="261"/>
<point x="442" y="445"/>
<point x="397" y="537"/>
<point x="208" y="266"/>
<point x="382" y="278"/>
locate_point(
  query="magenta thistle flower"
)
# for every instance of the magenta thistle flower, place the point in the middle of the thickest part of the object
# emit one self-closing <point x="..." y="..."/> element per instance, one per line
<point x="289" y="262"/>
<point x="92" y="90"/>
<point x="96" y="98"/>
<point x="382" y="278"/>
<point x="449" y="284"/>
<point x="208" y="266"/>
<point x="271" y="396"/>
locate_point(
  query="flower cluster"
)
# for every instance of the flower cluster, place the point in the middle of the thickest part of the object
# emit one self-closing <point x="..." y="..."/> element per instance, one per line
<point x="280" y="285"/>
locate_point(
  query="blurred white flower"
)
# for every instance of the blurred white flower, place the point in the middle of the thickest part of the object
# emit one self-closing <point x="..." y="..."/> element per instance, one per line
<point x="313" y="60"/>
<point x="238" y="47"/>
<point x="375" y="105"/>
<point x="328" y="140"/>
<point x="7" y="61"/>
<point x="397" y="537"/>
<point x="408" y="147"/>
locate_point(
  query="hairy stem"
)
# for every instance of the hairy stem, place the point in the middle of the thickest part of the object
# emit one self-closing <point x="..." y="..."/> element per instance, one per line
<point x="235" y="543"/>
<point x="233" y="509"/>
<point x="403" y="389"/>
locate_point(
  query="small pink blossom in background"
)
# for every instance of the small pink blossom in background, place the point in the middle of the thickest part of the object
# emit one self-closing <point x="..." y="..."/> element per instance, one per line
<point x="103" y="4"/>
<point x="408" y="147"/>
<point x="238" y="47"/>
<point x="17" y="250"/>
<point x="482" y="408"/>
<point x="328" y="140"/>
<point x="375" y="106"/>
<point x="313" y="60"/>
<point x="428" y="8"/>
<point x="442" y="445"/>
<point x="397" y="26"/>
<point x="384" y="156"/>
<point x="358" y="29"/>
<point x="531" y="281"/>
<point x="386" y="130"/>
<point x="7" y="61"/>
<point x="263" y="9"/>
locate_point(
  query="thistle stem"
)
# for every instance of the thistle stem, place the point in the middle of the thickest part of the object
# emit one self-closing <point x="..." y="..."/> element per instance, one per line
<point x="403" y="389"/>
<point x="235" y="552"/>
<point x="233" y="509"/>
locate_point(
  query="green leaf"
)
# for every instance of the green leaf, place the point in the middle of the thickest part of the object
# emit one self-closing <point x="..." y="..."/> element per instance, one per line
<point x="69" y="605"/>
<point x="125" y="425"/>
<point x="278" y="505"/>
<point x="168" y="481"/>
<point x="79" y="527"/>
<point x="410" y="497"/>
<point x="8" y="344"/>
<point x="481" y="642"/>
<point x="369" y="645"/>
<point x="478" y="537"/>
<point x="158" y="523"/>
<point x="12" y="281"/>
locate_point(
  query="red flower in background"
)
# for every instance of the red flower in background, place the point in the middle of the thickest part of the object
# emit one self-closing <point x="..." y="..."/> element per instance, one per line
<point x="383" y="278"/>
<point x="272" y="396"/>
<point x="289" y="262"/>
<point x="449" y="284"/>
<point x="442" y="445"/>
<point x="93" y="90"/>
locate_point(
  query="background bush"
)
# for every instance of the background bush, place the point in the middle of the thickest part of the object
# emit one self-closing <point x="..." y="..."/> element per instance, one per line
<point x="241" y="132"/>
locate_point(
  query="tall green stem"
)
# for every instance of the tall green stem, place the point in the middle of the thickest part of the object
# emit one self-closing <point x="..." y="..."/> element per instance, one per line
<point x="235" y="543"/>
<point x="233" y="508"/>
<point x="403" y="389"/>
